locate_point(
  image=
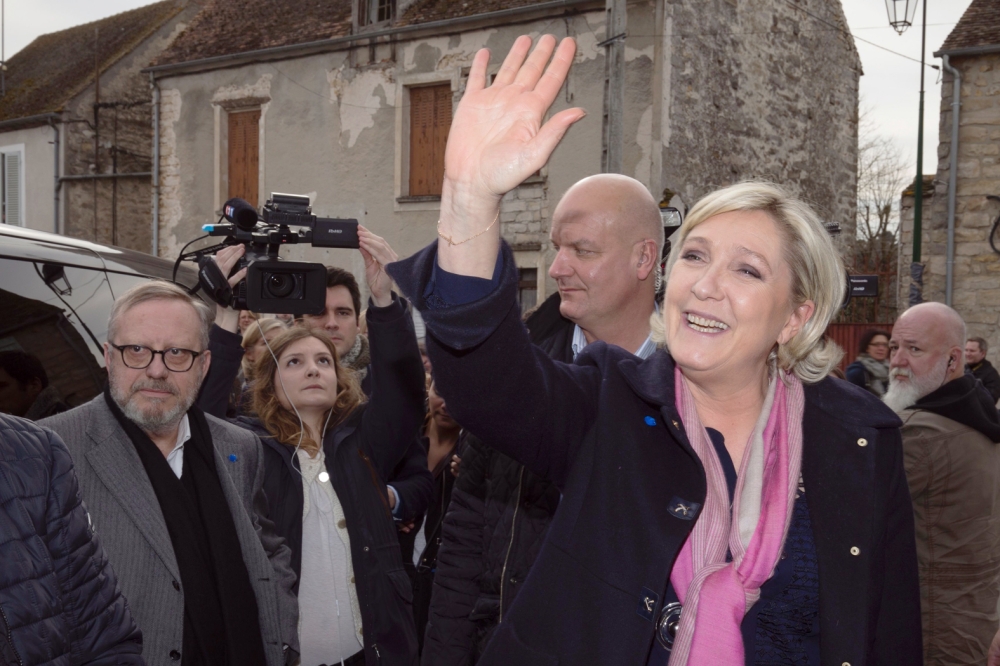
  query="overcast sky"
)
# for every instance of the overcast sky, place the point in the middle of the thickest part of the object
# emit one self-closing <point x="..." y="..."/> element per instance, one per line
<point x="889" y="86"/>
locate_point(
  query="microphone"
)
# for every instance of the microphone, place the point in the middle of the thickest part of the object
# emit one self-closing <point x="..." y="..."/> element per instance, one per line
<point x="240" y="213"/>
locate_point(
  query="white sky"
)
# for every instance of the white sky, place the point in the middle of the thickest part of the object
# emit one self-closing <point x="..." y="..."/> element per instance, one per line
<point x="889" y="86"/>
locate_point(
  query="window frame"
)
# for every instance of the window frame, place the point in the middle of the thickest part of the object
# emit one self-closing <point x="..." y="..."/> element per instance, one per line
<point x="402" y="201"/>
<point x="18" y="149"/>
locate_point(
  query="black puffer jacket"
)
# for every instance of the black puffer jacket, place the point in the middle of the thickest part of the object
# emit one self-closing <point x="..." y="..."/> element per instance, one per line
<point x="496" y="523"/>
<point x="59" y="599"/>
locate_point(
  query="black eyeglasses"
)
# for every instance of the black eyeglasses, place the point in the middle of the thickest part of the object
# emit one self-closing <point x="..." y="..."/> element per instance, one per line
<point x="139" y="357"/>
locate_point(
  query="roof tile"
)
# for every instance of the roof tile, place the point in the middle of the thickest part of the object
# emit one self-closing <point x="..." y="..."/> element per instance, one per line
<point x="979" y="26"/>
<point x="43" y="76"/>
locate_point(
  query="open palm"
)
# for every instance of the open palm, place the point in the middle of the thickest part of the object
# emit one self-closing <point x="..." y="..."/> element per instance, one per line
<point x="497" y="138"/>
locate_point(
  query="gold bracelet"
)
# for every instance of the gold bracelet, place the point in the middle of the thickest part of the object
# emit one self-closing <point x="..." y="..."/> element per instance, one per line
<point x="451" y="241"/>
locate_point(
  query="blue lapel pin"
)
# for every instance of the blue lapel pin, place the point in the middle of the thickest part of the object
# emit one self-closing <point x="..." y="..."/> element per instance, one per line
<point x="650" y="421"/>
<point x="232" y="457"/>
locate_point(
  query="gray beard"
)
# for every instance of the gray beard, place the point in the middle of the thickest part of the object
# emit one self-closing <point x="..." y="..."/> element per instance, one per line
<point x="901" y="395"/>
<point x="904" y="394"/>
<point x="154" y="419"/>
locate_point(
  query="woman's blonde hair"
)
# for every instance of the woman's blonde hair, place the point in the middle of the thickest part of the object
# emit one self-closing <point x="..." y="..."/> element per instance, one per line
<point x="818" y="273"/>
<point x="282" y="422"/>
<point x="253" y="334"/>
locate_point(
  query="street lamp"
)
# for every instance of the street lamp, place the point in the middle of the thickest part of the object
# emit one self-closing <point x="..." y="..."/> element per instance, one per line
<point x="901" y="14"/>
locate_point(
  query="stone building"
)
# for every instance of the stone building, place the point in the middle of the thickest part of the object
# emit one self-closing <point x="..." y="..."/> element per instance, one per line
<point x="972" y="51"/>
<point x="350" y="101"/>
<point x="76" y="127"/>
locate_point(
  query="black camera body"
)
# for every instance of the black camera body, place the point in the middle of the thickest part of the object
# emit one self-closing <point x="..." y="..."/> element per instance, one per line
<point x="271" y="284"/>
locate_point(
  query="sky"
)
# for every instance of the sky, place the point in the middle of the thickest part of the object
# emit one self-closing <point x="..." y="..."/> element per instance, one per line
<point x="889" y="88"/>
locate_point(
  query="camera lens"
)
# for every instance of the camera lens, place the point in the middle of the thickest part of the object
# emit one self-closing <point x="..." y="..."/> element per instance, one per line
<point x="280" y="285"/>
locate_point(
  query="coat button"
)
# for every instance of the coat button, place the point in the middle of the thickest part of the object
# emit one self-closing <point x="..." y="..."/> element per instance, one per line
<point x="846" y="663"/>
<point x="175" y="655"/>
<point x="341" y="523"/>
<point x="862" y="442"/>
<point x="855" y="550"/>
<point x="177" y="586"/>
<point x="365" y="549"/>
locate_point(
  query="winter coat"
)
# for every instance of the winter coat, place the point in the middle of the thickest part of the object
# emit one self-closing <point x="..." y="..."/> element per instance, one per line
<point x="606" y="431"/>
<point x="361" y="452"/>
<point x="493" y="531"/>
<point x="988" y="375"/>
<point x="60" y="604"/>
<point x="953" y="468"/>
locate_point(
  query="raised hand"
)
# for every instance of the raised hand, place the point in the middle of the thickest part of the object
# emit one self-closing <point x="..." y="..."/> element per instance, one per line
<point x="227" y="318"/>
<point x="497" y="139"/>
<point x="377" y="254"/>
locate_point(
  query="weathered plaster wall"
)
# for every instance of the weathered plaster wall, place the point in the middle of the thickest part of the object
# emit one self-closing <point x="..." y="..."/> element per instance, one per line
<point x="714" y="94"/>
<point x="976" y="287"/>
<point x="115" y="136"/>
<point x="759" y="89"/>
<point x="39" y="172"/>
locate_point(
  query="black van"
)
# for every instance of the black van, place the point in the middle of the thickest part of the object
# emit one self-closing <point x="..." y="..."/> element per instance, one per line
<point x="55" y="297"/>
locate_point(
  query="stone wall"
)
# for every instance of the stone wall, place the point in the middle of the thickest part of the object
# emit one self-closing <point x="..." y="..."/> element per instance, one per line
<point x="716" y="92"/>
<point x="976" y="285"/>
<point x="110" y="132"/>
<point x="761" y="90"/>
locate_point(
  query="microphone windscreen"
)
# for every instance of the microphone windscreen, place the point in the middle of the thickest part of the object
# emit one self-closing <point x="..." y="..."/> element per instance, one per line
<point x="240" y="213"/>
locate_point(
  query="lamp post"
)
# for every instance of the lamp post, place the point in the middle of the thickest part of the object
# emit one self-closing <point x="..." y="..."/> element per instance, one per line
<point x="901" y="13"/>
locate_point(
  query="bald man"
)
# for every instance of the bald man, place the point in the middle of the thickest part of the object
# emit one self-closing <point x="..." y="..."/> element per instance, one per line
<point x="950" y="434"/>
<point x="608" y="234"/>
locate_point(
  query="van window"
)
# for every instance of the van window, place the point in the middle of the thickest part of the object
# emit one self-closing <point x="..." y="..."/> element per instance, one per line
<point x="58" y="314"/>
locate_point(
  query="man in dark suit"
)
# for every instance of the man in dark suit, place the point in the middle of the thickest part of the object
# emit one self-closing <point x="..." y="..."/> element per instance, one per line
<point x="176" y="495"/>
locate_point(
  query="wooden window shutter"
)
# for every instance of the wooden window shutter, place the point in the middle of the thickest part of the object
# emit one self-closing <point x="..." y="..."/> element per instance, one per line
<point x="430" y="120"/>
<point x="244" y="128"/>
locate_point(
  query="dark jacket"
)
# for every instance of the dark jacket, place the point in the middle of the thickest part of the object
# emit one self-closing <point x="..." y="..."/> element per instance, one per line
<point x="606" y="431"/>
<point x="361" y="451"/>
<point x="409" y="477"/>
<point x="988" y="375"/>
<point x="59" y="599"/>
<point x="493" y="531"/>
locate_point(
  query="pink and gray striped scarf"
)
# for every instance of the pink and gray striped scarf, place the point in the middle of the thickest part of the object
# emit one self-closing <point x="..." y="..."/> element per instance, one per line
<point x="716" y="594"/>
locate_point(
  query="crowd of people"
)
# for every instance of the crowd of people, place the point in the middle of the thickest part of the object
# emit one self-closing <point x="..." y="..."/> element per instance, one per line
<point x="654" y="466"/>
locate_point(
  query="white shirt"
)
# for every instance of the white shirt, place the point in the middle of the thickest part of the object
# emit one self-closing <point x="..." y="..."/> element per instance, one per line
<point x="176" y="457"/>
<point x="644" y="351"/>
<point x="329" y="613"/>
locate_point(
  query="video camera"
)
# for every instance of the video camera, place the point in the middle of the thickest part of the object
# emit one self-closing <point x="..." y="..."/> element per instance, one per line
<point x="272" y="285"/>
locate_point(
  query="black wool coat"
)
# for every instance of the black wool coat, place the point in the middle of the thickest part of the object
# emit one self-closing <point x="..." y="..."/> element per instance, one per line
<point x="497" y="520"/>
<point x="607" y="432"/>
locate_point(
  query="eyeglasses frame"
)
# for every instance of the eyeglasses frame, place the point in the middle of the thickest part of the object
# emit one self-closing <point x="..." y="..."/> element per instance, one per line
<point x="161" y="352"/>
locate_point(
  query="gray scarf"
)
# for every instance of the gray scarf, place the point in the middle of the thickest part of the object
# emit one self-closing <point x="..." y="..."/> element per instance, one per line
<point x="878" y="374"/>
<point x="358" y="357"/>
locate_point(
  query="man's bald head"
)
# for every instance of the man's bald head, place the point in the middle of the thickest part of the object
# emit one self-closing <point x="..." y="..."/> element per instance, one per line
<point x="608" y="236"/>
<point x="926" y="352"/>
<point x="620" y="202"/>
<point x="939" y="322"/>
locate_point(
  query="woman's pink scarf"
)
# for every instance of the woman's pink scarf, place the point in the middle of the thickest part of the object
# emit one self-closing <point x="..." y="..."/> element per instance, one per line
<point x="717" y="594"/>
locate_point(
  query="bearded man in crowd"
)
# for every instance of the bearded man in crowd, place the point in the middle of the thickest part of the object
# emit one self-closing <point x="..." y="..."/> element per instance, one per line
<point x="950" y="435"/>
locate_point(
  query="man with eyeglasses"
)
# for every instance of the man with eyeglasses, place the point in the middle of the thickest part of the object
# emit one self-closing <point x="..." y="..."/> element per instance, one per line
<point x="176" y="495"/>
